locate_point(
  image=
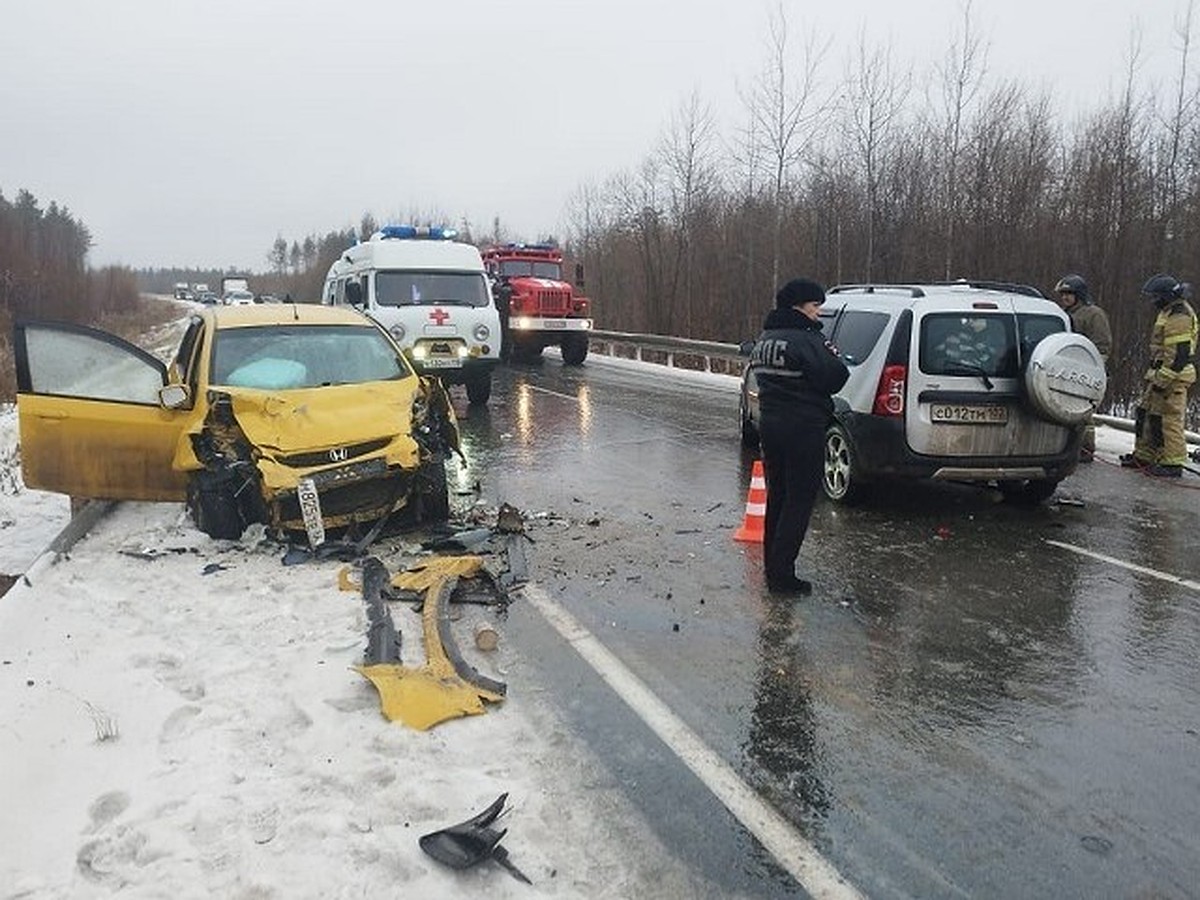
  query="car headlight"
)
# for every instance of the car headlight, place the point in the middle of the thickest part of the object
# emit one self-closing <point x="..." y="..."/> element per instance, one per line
<point x="420" y="351"/>
<point x="397" y="331"/>
<point x="463" y="351"/>
<point x="482" y="332"/>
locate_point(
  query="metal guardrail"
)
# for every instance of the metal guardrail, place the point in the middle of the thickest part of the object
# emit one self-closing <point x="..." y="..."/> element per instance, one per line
<point x="674" y="352"/>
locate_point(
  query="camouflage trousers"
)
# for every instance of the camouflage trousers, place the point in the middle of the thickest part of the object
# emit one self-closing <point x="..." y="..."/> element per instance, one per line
<point x="1159" y="426"/>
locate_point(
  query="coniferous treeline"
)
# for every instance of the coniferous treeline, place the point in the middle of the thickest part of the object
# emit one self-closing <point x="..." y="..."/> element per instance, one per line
<point x="44" y="274"/>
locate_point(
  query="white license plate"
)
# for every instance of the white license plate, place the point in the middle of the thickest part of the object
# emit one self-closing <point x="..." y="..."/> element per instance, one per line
<point x="968" y="414"/>
<point x="555" y="323"/>
<point x="441" y="363"/>
<point x="310" y="509"/>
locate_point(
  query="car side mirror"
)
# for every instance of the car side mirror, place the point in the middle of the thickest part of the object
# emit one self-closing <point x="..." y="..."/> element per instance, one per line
<point x="354" y="293"/>
<point x="174" y="396"/>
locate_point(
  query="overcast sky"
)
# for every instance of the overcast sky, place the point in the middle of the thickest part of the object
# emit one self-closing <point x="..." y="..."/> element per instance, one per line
<point x="193" y="133"/>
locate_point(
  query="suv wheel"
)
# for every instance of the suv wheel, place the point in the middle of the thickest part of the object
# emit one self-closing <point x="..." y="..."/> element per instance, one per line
<point x="1028" y="493"/>
<point x="749" y="429"/>
<point x="841" y="479"/>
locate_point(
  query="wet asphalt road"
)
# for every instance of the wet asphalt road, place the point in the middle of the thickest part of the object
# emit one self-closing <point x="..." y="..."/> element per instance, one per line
<point x="962" y="708"/>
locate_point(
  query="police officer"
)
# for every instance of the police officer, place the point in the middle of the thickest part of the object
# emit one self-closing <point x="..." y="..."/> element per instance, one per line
<point x="1092" y="322"/>
<point x="1160" y="448"/>
<point x="797" y="372"/>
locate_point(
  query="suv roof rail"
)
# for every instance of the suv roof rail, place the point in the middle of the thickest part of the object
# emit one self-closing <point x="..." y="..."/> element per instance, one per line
<point x="1010" y="287"/>
<point x="871" y="288"/>
<point x="984" y="284"/>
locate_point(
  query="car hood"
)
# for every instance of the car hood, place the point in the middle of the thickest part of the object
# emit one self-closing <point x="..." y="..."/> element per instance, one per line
<point x="313" y="418"/>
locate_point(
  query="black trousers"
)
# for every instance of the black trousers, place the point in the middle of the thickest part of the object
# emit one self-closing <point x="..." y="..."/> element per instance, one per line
<point x="793" y="458"/>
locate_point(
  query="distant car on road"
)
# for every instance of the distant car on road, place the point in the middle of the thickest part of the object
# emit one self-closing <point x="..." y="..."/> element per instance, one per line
<point x="208" y="298"/>
<point x="961" y="381"/>
<point x="238" y="298"/>
<point x="299" y="417"/>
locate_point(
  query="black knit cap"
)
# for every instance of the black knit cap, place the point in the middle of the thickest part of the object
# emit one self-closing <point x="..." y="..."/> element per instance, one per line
<point x="797" y="291"/>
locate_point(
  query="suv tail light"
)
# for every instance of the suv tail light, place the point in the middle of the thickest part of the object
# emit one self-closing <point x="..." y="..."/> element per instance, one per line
<point x="889" y="395"/>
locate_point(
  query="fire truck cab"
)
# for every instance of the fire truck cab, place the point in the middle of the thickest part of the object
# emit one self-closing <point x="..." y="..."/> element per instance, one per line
<point x="538" y="307"/>
<point x="432" y="293"/>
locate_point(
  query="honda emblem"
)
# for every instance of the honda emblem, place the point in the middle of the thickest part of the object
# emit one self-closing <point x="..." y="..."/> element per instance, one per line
<point x="338" y="454"/>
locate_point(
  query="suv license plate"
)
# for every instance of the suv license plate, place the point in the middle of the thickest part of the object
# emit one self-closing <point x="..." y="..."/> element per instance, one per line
<point x="961" y="414"/>
<point x="310" y="509"/>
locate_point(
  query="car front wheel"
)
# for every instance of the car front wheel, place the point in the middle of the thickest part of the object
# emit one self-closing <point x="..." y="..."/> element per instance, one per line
<point x="841" y="479"/>
<point x="432" y="492"/>
<point x="214" y="506"/>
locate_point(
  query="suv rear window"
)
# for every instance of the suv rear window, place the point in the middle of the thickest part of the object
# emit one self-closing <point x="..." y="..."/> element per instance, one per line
<point x="980" y="343"/>
<point x="857" y="333"/>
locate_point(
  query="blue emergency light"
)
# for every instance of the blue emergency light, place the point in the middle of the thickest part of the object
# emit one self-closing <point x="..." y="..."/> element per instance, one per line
<point x="408" y="232"/>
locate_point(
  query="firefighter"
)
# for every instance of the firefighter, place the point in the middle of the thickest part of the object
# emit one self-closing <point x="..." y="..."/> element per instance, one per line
<point x="1160" y="448"/>
<point x="797" y="371"/>
<point x="1092" y="322"/>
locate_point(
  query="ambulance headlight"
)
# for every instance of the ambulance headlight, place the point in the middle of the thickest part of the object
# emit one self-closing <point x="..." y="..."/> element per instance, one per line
<point x="420" y="351"/>
<point x="463" y="351"/>
<point x="397" y="332"/>
<point x="482" y="332"/>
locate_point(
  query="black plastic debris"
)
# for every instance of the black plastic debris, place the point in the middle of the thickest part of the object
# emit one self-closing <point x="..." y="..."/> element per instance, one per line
<point x="471" y="842"/>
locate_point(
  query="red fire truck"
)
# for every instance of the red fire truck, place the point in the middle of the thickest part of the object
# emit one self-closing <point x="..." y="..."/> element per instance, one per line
<point x="538" y="307"/>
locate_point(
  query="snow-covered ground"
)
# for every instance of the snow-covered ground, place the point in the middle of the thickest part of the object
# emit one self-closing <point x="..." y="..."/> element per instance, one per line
<point x="181" y="719"/>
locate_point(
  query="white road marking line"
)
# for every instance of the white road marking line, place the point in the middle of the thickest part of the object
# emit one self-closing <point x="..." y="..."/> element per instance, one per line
<point x="542" y="390"/>
<point x="814" y="873"/>
<point x="1133" y="567"/>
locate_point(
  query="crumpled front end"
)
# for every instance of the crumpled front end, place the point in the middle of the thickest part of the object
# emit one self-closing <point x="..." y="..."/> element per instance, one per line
<point x="324" y="457"/>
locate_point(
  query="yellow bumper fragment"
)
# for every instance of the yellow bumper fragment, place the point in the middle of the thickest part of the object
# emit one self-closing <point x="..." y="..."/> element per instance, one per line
<point x="446" y="686"/>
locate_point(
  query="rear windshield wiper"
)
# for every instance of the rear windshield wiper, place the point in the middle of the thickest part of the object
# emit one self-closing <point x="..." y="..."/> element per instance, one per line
<point x="966" y="368"/>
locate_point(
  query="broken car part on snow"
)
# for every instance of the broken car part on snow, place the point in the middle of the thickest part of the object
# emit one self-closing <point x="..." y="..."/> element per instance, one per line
<point x="471" y="842"/>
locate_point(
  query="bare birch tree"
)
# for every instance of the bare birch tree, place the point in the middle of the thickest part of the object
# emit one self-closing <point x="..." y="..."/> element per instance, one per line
<point x="785" y="107"/>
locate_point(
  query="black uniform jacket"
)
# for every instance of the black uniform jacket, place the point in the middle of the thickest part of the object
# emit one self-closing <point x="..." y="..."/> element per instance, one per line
<point x="797" y="370"/>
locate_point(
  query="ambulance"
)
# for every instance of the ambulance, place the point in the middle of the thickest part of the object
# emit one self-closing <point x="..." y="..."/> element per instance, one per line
<point x="432" y="293"/>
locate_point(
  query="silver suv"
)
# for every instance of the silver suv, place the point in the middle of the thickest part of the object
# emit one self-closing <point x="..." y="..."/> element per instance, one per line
<point x="964" y="381"/>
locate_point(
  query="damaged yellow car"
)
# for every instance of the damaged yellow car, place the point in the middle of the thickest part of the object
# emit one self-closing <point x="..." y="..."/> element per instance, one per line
<point x="304" y="418"/>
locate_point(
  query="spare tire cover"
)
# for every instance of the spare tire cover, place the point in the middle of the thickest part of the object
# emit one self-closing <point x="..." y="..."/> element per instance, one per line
<point x="1065" y="378"/>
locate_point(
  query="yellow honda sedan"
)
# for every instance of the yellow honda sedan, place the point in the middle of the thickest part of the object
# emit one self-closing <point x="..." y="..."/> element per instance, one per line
<point x="304" y="418"/>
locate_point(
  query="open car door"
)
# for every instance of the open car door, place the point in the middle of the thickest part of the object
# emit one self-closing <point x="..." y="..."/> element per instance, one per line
<point x="91" y="421"/>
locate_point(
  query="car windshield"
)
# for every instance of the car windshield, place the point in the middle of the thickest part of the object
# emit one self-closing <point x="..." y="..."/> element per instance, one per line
<point x="285" y="357"/>
<point x="417" y="288"/>
<point x="524" y="268"/>
<point x="978" y="343"/>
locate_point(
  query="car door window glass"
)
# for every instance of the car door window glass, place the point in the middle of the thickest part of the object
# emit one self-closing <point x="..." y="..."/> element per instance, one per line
<point x="857" y="334"/>
<point x="91" y="366"/>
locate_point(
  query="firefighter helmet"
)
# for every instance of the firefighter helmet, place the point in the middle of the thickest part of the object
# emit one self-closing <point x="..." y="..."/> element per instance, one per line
<point x="1073" y="284"/>
<point x="1162" y="288"/>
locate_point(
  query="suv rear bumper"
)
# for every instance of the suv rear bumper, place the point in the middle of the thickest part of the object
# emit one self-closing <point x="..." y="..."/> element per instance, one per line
<point x="880" y="451"/>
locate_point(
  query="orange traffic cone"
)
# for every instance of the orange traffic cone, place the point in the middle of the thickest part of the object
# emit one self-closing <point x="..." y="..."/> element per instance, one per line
<point x="751" y="531"/>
